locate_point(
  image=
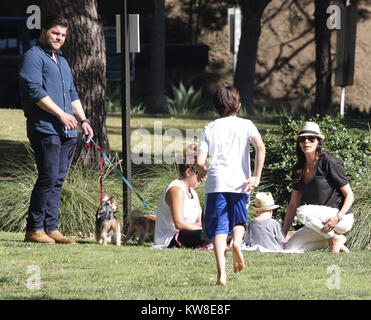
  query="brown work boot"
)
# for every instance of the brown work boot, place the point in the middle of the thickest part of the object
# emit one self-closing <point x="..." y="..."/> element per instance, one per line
<point x="60" y="238"/>
<point x="38" y="236"/>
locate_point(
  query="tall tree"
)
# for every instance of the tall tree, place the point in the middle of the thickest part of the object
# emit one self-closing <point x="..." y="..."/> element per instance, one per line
<point x="156" y="101"/>
<point x="252" y="11"/>
<point x="323" y="58"/>
<point x="85" y="51"/>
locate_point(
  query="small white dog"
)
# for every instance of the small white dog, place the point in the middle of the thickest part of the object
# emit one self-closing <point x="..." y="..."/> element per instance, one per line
<point x="107" y="226"/>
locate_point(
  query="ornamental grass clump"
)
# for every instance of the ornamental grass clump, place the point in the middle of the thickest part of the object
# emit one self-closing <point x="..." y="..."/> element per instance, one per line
<point x="79" y="200"/>
<point x="185" y="101"/>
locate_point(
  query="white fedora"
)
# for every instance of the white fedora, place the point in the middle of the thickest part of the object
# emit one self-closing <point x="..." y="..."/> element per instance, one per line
<point x="310" y="129"/>
<point x="264" y="202"/>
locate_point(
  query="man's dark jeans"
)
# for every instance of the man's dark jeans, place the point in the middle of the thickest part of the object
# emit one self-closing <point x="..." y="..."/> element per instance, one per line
<point x="53" y="154"/>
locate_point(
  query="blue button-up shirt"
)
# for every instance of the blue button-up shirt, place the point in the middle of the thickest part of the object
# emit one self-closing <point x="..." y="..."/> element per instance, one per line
<point x="41" y="76"/>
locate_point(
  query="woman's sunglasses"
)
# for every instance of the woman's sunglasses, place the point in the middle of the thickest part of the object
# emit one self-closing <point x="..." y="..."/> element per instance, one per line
<point x="310" y="139"/>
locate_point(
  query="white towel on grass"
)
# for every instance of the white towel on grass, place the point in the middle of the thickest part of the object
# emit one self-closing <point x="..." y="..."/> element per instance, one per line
<point x="259" y="248"/>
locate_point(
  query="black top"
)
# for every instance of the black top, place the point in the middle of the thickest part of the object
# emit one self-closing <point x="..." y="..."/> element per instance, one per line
<point x="324" y="187"/>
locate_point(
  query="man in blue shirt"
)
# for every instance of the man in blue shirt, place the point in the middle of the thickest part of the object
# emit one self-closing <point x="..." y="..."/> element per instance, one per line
<point x="53" y="111"/>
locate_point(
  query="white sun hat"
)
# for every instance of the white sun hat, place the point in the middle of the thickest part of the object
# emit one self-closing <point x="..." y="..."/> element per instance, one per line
<point x="264" y="202"/>
<point x="310" y="129"/>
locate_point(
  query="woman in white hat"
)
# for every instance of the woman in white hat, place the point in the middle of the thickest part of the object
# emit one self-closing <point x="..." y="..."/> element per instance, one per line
<point x="319" y="179"/>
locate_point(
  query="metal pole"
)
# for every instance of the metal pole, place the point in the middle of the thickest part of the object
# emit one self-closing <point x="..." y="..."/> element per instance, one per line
<point x="342" y="102"/>
<point x="125" y="110"/>
<point x="234" y="63"/>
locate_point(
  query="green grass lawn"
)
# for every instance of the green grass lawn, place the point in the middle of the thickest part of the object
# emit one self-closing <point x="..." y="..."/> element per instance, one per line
<point x="91" y="271"/>
<point x="13" y="125"/>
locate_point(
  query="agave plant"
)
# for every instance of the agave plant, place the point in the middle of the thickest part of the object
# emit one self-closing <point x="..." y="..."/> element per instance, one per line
<point x="185" y="101"/>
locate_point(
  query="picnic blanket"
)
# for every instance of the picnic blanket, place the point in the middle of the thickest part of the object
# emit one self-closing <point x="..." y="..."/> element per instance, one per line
<point x="259" y="248"/>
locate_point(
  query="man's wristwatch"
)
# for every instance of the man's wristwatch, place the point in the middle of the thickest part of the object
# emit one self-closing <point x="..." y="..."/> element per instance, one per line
<point x="85" y="120"/>
<point x="339" y="217"/>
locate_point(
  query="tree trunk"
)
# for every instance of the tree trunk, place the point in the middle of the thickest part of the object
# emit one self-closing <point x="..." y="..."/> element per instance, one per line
<point x="156" y="102"/>
<point x="85" y="51"/>
<point x="252" y="11"/>
<point x="323" y="58"/>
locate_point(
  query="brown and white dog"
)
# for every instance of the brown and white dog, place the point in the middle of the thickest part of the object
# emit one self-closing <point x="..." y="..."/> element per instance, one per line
<point x="141" y="224"/>
<point x="107" y="226"/>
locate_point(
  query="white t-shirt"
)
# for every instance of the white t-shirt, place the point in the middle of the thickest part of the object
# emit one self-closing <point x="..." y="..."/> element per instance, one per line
<point x="164" y="227"/>
<point x="227" y="140"/>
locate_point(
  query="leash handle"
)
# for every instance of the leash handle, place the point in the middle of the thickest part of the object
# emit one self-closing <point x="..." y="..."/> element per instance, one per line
<point x="86" y="141"/>
<point x="84" y="136"/>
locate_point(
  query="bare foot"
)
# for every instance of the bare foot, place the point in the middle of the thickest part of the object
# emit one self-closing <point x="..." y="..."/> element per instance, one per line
<point x="337" y="242"/>
<point x="238" y="262"/>
<point x="288" y="236"/>
<point x="222" y="280"/>
<point x="344" y="249"/>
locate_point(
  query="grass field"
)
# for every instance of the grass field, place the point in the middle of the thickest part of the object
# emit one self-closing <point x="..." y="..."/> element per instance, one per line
<point x="91" y="271"/>
<point x="13" y="124"/>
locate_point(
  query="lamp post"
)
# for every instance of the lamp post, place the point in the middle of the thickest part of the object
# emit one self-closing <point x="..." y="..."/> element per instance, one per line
<point x="125" y="108"/>
<point x="132" y="7"/>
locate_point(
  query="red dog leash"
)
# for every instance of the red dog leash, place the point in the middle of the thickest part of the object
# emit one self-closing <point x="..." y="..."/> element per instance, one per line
<point x="87" y="139"/>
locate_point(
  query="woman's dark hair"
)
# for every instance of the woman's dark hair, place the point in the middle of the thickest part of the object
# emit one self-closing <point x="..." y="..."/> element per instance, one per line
<point x="182" y="168"/>
<point x="52" y="20"/>
<point x="298" y="171"/>
<point x="226" y="100"/>
<point x="190" y="159"/>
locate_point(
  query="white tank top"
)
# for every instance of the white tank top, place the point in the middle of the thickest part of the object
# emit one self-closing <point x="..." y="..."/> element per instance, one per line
<point x="165" y="228"/>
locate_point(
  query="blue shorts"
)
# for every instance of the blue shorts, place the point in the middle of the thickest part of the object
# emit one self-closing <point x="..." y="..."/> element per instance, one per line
<point x="224" y="211"/>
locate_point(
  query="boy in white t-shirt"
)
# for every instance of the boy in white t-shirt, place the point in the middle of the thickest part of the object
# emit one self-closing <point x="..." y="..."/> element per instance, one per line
<point x="229" y="180"/>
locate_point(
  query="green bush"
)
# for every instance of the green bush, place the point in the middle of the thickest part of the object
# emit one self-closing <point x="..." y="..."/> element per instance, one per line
<point x="351" y="148"/>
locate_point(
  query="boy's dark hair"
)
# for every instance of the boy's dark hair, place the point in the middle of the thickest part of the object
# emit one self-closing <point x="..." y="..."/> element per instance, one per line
<point x="52" y="20"/>
<point x="226" y="100"/>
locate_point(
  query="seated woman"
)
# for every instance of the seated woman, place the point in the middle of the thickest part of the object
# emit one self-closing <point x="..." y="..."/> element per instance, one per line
<point x="320" y="181"/>
<point x="178" y="222"/>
